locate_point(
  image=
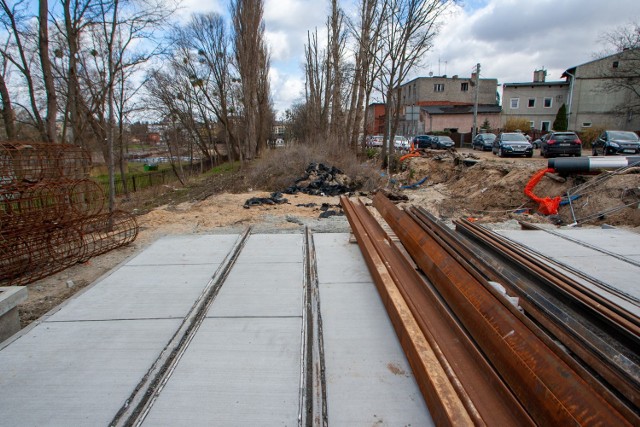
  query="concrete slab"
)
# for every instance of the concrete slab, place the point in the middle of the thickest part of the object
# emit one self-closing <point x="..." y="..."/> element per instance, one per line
<point x="141" y="292"/>
<point x="615" y="273"/>
<point x="261" y="290"/>
<point x="191" y="249"/>
<point x="363" y="357"/>
<point x="617" y="241"/>
<point x="364" y="361"/>
<point x="77" y="373"/>
<point x="10" y="296"/>
<point x="344" y="260"/>
<point x="270" y="248"/>
<point x="236" y="372"/>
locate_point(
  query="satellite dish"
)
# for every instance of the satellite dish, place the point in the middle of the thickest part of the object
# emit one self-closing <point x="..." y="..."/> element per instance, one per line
<point x="430" y="73"/>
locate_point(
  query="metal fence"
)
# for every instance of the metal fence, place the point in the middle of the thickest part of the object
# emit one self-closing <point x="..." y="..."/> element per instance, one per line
<point x="137" y="182"/>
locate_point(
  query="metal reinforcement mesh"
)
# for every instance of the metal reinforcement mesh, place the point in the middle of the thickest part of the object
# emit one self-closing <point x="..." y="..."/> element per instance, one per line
<point x="51" y="213"/>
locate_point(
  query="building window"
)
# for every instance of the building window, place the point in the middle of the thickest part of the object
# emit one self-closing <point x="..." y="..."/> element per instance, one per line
<point x="544" y="126"/>
<point x="532" y="125"/>
<point x="615" y="64"/>
<point x="464" y="86"/>
<point x="515" y="103"/>
<point x="586" y="124"/>
<point x="548" y="102"/>
<point x="532" y="102"/>
<point x="438" y="87"/>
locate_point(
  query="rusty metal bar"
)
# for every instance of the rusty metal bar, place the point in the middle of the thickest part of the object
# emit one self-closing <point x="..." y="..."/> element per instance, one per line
<point x="550" y="390"/>
<point x="483" y="394"/>
<point x="445" y="405"/>
<point x="602" y="354"/>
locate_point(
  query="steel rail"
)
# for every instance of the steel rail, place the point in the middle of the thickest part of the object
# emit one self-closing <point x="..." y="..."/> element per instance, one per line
<point x="480" y="389"/>
<point x="597" y="304"/>
<point x="444" y="403"/>
<point x="602" y="354"/>
<point x="552" y="392"/>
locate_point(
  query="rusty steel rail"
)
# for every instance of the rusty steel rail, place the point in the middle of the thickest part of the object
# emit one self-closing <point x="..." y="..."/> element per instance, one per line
<point x="550" y="390"/>
<point x="457" y="381"/>
<point x="613" y="358"/>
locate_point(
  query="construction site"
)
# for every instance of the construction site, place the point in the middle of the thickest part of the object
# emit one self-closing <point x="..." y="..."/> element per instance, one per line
<point x="466" y="289"/>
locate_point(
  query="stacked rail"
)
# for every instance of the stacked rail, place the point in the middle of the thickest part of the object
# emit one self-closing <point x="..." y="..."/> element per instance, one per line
<point x="477" y="358"/>
<point x="51" y="213"/>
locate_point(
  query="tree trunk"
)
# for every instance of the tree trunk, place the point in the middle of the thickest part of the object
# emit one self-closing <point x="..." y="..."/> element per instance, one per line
<point x="47" y="73"/>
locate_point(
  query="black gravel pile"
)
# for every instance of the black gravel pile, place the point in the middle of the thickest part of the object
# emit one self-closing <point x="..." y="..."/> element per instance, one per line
<point x="322" y="180"/>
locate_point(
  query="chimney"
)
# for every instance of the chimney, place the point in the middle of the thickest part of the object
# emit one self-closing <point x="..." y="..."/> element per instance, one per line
<point x="539" y="76"/>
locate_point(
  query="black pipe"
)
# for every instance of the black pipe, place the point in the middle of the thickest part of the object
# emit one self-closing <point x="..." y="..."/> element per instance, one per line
<point x="571" y="165"/>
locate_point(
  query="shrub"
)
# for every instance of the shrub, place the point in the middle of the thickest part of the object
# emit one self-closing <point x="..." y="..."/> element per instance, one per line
<point x="589" y="135"/>
<point x="514" y="124"/>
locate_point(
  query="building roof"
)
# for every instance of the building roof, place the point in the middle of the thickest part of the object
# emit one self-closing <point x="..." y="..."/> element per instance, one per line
<point x="572" y="70"/>
<point x="557" y="83"/>
<point x="461" y="109"/>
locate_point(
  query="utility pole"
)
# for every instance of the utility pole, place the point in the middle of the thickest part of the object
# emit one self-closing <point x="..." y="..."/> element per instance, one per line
<point x="475" y="103"/>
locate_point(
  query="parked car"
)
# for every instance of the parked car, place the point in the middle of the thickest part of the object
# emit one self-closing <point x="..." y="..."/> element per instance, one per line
<point x="423" y="141"/>
<point x="616" y="142"/>
<point x="512" y="144"/>
<point x="537" y="143"/>
<point x="483" y="141"/>
<point x="400" y="142"/>
<point x="375" y="141"/>
<point x="560" y="143"/>
<point x="442" y="142"/>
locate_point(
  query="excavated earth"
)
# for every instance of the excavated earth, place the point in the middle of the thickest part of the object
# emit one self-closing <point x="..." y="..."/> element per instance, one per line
<point x="461" y="184"/>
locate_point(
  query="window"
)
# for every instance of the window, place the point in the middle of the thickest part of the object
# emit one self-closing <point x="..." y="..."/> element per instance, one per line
<point x="548" y="102"/>
<point x="586" y="124"/>
<point x="515" y="103"/>
<point x="464" y="87"/>
<point x="532" y="125"/>
<point x="438" y="87"/>
<point x="544" y="126"/>
<point x="532" y="102"/>
<point x="615" y="64"/>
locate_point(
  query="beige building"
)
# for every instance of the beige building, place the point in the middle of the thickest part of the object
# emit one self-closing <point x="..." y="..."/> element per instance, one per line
<point x="537" y="101"/>
<point x="458" y="118"/>
<point x="593" y="101"/>
<point x="442" y="91"/>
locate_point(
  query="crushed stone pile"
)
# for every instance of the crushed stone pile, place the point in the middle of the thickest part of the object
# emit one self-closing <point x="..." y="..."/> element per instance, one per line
<point x="322" y="180"/>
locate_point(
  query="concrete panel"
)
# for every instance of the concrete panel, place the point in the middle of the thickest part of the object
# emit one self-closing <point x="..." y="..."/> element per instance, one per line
<point x="610" y="270"/>
<point x="236" y="372"/>
<point x="269" y="248"/>
<point x="369" y="381"/>
<point x="140" y="292"/>
<point x="262" y="290"/>
<point x="338" y="260"/>
<point x="548" y="244"/>
<point x="79" y="373"/>
<point x="192" y="249"/>
<point x="617" y="241"/>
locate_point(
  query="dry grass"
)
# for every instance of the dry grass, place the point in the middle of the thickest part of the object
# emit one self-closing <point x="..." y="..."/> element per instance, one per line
<point x="279" y="168"/>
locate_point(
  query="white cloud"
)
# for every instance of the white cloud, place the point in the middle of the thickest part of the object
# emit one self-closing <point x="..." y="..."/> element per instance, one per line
<point x="285" y="88"/>
<point x="278" y="43"/>
<point x="189" y="7"/>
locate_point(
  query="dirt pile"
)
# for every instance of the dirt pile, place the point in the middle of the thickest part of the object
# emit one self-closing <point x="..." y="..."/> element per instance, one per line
<point x="493" y="190"/>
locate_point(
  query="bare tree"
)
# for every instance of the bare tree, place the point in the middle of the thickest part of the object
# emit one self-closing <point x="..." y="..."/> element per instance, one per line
<point x="252" y="62"/>
<point x="625" y="78"/>
<point x="407" y="34"/>
<point x="366" y="34"/>
<point x="22" y="40"/>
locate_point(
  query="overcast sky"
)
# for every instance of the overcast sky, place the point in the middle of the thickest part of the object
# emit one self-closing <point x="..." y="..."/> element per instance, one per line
<point x="509" y="38"/>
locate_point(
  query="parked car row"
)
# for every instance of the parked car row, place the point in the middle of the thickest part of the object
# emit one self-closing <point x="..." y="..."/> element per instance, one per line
<point x="438" y="142"/>
<point x="399" y="142"/>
